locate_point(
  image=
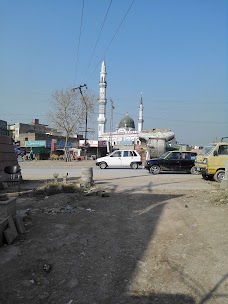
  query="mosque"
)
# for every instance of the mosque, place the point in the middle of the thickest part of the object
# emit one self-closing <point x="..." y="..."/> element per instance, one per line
<point x="126" y="133"/>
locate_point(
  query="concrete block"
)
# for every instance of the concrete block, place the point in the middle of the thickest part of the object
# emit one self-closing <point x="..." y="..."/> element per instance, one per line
<point x="19" y="224"/>
<point x="3" y="227"/>
<point x="12" y="226"/>
<point x="9" y="235"/>
<point x="8" y="207"/>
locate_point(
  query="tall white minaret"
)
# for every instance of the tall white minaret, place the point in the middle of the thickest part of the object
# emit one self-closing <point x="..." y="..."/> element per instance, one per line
<point x="140" y="121"/>
<point x="102" y="101"/>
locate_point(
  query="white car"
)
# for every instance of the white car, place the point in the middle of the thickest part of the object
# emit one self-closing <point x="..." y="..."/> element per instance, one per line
<point x="120" y="158"/>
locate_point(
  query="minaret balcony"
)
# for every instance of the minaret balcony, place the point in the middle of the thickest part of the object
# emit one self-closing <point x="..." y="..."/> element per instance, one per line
<point x="103" y="83"/>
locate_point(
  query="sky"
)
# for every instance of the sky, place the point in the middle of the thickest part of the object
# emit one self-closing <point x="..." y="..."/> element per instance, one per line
<point x="174" y="52"/>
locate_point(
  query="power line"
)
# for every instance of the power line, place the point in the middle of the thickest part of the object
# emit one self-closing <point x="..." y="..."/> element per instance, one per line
<point x="114" y="35"/>
<point x="79" y="41"/>
<point x="97" y="39"/>
<point x="174" y="120"/>
<point x="119" y="27"/>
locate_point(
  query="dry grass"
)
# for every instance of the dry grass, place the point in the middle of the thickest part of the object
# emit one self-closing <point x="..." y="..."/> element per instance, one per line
<point x="51" y="188"/>
<point x="219" y="197"/>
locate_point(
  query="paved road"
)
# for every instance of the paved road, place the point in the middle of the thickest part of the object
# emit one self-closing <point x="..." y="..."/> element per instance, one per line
<point x="119" y="179"/>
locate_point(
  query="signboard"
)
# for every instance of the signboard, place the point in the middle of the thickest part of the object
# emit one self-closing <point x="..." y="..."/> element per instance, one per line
<point x="125" y="142"/>
<point x="35" y="143"/>
<point x="102" y="143"/>
<point x="90" y="143"/>
<point x="46" y="144"/>
<point x="61" y="145"/>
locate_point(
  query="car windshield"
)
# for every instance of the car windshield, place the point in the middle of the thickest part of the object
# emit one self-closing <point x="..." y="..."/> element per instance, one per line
<point x="207" y="150"/>
<point x="164" y="155"/>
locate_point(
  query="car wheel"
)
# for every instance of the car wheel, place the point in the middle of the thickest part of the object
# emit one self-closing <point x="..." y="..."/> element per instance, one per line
<point x="219" y="175"/>
<point x="103" y="165"/>
<point x="155" y="169"/>
<point x="134" y="166"/>
<point x="194" y="170"/>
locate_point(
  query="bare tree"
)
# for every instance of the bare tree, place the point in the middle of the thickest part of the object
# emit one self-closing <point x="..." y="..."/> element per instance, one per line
<point x="69" y="111"/>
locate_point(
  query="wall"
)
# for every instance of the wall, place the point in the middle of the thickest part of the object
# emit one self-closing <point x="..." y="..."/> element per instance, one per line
<point x="7" y="155"/>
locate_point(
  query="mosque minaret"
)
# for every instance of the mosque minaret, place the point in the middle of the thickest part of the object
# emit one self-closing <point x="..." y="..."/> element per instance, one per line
<point x="102" y="101"/>
<point x="140" y="121"/>
<point x="126" y="133"/>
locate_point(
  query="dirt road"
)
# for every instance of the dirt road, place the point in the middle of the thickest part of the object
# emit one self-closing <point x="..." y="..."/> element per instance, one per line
<point x="161" y="246"/>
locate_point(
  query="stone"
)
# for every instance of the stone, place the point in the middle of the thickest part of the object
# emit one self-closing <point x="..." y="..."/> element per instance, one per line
<point x="44" y="295"/>
<point x="73" y="283"/>
<point x="8" y="207"/>
<point x="3" y="226"/>
<point x="12" y="226"/>
<point x="9" y="235"/>
<point x="19" y="224"/>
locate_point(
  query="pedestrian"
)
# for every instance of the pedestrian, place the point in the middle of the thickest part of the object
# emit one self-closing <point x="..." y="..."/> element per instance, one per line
<point x="31" y="154"/>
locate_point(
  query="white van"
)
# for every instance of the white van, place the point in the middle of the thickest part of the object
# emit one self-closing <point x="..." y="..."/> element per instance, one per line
<point x="120" y="158"/>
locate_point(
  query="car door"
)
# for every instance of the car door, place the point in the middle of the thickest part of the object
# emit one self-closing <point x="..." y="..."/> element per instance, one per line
<point x="115" y="159"/>
<point x="186" y="161"/>
<point x="126" y="158"/>
<point x="172" y="161"/>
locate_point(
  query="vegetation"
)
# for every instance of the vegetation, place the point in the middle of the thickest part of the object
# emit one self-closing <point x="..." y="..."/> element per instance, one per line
<point x="51" y="188"/>
<point x="69" y="111"/>
<point x="220" y="197"/>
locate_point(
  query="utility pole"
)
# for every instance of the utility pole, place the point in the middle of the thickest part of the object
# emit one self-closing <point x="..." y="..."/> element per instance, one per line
<point x="86" y="114"/>
<point x="111" y="123"/>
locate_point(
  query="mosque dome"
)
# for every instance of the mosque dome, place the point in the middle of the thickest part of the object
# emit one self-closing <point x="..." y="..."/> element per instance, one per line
<point x="126" y="123"/>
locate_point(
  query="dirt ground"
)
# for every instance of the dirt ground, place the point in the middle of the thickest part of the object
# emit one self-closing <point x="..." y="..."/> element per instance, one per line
<point x="123" y="248"/>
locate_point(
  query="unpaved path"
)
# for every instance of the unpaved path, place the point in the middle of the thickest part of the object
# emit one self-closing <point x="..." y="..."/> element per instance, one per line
<point x="161" y="246"/>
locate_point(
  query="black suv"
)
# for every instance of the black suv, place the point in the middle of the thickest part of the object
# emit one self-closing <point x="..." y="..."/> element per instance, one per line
<point x="172" y="161"/>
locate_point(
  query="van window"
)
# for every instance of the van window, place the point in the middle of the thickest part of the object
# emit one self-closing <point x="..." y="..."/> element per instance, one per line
<point x="207" y="150"/>
<point x="223" y="150"/>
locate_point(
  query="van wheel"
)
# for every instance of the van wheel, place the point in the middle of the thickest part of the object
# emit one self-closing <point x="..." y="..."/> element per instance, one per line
<point x="134" y="166"/>
<point x="155" y="169"/>
<point x="205" y="176"/>
<point x="219" y="175"/>
<point x="103" y="165"/>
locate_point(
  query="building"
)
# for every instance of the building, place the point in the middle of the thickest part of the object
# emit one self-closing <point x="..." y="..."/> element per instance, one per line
<point x="126" y="133"/>
<point x="40" y="138"/>
<point x="3" y="128"/>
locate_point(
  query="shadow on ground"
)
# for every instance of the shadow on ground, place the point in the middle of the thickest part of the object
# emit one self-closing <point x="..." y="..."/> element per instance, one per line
<point x="94" y="251"/>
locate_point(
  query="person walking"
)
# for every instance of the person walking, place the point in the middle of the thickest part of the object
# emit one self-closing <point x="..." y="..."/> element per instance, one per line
<point x="31" y="155"/>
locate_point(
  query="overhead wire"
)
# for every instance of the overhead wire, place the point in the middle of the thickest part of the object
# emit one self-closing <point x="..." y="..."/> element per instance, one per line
<point x="174" y="120"/>
<point x="99" y="35"/>
<point x="79" y="42"/>
<point x="113" y="37"/>
<point x="122" y="114"/>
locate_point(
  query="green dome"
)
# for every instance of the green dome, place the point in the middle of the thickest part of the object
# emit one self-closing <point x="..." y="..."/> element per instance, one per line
<point x="127" y="123"/>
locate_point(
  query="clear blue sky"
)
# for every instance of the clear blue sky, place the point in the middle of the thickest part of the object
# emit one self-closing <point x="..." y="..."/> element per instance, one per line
<point x="173" y="51"/>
